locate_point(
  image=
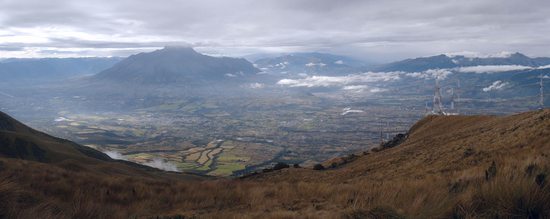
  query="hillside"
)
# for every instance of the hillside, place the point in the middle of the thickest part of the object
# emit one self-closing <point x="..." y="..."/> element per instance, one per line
<point x="446" y="145"/>
<point x="20" y="143"/>
<point x="173" y="65"/>
<point x="448" y="167"/>
<point x="453" y="61"/>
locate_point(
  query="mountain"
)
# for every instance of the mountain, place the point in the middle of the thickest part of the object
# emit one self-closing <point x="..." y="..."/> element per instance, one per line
<point x="309" y="63"/>
<point x="443" y="167"/>
<point x="176" y="65"/>
<point x="18" y="141"/>
<point x="454" y="61"/>
<point x="51" y="69"/>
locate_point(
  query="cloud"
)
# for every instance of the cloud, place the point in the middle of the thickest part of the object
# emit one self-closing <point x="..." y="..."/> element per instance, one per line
<point x="311" y="64"/>
<point x="497" y="85"/>
<point x="470" y="54"/>
<point x="256" y="85"/>
<point x="162" y="164"/>
<point x="381" y="30"/>
<point x="336" y="81"/>
<point x="440" y="74"/>
<point x="115" y="155"/>
<point x="348" y="110"/>
<point x="378" y="90"/>
<point x="355" y="87"/>
<point x="492" y="68"/>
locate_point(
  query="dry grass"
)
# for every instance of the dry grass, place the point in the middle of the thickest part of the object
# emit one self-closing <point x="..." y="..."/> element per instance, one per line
<point x="435" y="175"/>
<point x="53" y="192"/>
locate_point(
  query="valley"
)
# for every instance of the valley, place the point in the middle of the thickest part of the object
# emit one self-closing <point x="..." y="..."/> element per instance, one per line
<point x="222" y="137"/>
<point x="236" y="136"/>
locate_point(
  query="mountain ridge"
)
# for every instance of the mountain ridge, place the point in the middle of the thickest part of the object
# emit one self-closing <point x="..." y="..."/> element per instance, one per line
<point x="172" y="65"/>
<point x="39" y="70"/>
<point x="444" y="61"/>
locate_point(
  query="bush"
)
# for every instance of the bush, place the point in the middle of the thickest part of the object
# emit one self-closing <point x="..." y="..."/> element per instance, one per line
<point x="280" y="166"/>
<point x="318" y="167"/>
<point x="491" y="172"/>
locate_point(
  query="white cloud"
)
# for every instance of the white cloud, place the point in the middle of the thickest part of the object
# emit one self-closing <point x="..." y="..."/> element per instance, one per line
<point x="162" y="164"/>
<point x="256" y="85"/>
<point x="378" y="90"/>
<point x="493" y="68"/>
<point x="115" y="155"/>
<point x="339" y="62"/>
<point x="311" y="64"/>
<point x="355" y="87"/>
<point x="440" y="74"/>
<point x="470" y="54"/>
<point x="416" y="75"/>
<point x="335" y="81"/>
<point x="62" y="119"/>
<point x="348" y="110"/>
<point x="497" y="85"/>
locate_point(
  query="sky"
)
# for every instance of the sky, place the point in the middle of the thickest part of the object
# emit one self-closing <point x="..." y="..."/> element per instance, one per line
<point x="377" y="31"/>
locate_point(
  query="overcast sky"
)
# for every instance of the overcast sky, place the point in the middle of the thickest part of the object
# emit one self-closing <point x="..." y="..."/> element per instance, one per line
<point x="370" y="30"/>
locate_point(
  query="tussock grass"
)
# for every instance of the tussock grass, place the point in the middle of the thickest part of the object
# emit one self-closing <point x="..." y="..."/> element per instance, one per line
<point x="60" y="193"/>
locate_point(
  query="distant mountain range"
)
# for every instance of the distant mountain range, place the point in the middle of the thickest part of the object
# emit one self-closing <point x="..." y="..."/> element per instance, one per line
<point x="455" y="61"/>
<point x="309" y="63"/>
<point x="176" y="65"/>
<point x="51" y="69"/>
<point x="200" y="74"/>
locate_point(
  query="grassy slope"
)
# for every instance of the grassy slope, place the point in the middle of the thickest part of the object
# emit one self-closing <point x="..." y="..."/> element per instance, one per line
<point x="439" y="171"/>
<point x="442" y="146"/>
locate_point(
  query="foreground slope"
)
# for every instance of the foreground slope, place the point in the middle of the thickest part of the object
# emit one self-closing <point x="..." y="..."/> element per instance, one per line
<point x="444" y="145"/>
<point x="448" y="167"/>
<point x="20" y="143"/>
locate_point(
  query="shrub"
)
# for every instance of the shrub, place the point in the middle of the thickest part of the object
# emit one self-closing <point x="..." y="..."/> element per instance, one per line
<point x="491" y="172"/>
<point x="280" y="166"/>
<point x="469" y="152"/>
<point x="541" y="179"/>
<point x="318" y="167"/>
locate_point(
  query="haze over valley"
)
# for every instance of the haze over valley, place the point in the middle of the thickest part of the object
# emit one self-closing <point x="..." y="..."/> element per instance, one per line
<point x="274" y="109"/>
<point x="229" y="116"/>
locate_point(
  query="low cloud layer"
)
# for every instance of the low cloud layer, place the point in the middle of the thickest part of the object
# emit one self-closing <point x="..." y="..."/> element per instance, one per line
<point x="162" y="164"/>
<point x="376" y="30"/>
<point x="336" y="81"/>
<point x="497" y="85"/>
<point x="480" y="69"/>
<point x="493" y="68"/>
<point x="115" y="155"/>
